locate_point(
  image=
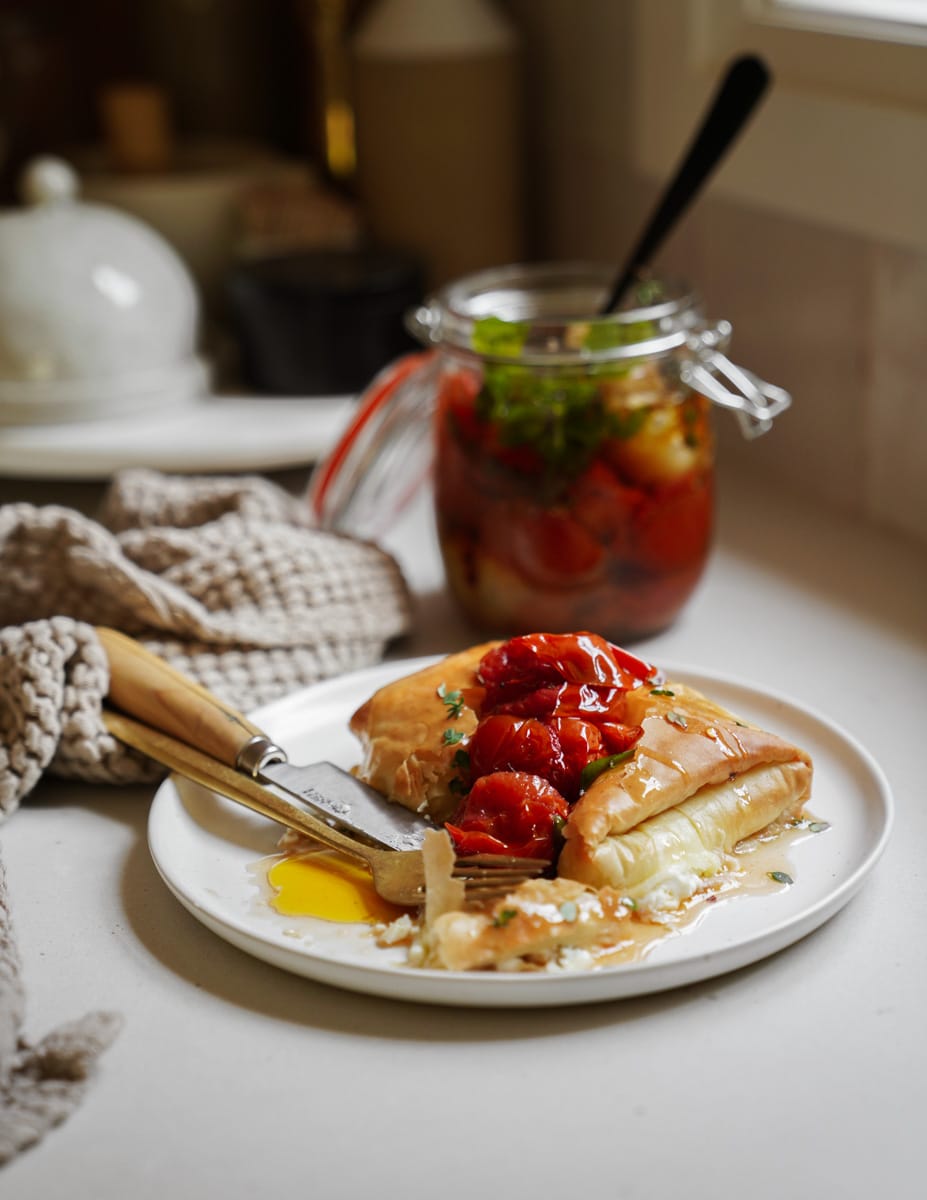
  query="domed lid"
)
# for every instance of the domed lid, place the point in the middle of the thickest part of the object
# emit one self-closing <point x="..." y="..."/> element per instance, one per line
<point x="98" y="314"/>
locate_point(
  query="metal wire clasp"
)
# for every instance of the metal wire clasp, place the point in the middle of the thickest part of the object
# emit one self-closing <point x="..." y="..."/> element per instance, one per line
<point x="755" y="402"/>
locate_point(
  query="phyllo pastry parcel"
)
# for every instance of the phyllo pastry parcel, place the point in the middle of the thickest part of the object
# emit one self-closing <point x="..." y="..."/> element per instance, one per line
<point x="637" y="789"/>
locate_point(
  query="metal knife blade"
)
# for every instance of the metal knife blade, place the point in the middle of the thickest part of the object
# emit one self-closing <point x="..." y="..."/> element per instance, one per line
<point x="348" y="802"/>
<point x="185" y="760"/>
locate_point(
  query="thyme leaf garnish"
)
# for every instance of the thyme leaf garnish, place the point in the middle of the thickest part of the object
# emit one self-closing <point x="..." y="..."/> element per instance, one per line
<point x="453" y="701"/>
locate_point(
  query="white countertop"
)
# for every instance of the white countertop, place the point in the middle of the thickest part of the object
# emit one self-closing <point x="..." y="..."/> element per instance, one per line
<point x="803" y="1076"/>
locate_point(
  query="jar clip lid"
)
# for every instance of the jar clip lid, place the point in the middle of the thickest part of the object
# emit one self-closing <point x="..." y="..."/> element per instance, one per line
<point x="754" y="401"/>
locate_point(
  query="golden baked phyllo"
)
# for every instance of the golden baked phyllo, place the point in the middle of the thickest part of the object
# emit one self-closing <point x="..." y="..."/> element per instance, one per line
<point x="637" y="789"/>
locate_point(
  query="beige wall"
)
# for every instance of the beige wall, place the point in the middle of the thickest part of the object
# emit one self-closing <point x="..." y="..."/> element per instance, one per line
<point x="825" y="283"/>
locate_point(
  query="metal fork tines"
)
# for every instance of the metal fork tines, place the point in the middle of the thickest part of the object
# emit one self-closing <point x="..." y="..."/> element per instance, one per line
<point x="398" y="875"/>
<point x="488" y="876"/>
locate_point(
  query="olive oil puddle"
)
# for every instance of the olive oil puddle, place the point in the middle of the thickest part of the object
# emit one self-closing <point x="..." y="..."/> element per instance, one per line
<point x="322" y="884"/>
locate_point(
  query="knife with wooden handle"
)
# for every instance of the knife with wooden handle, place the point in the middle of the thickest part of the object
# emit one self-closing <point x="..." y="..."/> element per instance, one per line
<point x="145" y="687"/>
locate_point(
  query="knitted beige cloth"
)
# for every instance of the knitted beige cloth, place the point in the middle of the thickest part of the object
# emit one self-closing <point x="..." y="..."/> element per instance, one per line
<point x="226" y="579"/>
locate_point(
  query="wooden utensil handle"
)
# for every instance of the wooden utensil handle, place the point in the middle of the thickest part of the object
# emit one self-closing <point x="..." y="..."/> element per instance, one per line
<point x="191" y="763"/>
<point x="145" y="686"/>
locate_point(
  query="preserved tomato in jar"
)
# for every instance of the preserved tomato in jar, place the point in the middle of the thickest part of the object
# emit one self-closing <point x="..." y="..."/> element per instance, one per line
<point x="574" y="454"/>
<point x="572" y="450"/>
<point x="572" y="499"/>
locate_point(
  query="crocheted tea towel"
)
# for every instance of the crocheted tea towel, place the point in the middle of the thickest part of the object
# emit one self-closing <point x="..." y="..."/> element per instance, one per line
<point x="39" y="1084"/>
<point x="224" y="578"/>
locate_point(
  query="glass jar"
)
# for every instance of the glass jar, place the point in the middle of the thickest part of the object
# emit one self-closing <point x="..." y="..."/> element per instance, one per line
<point x="573" y="452"/>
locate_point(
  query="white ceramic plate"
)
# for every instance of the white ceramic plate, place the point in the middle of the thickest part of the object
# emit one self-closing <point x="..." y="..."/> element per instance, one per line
<point x="221" y="433"/>
<point x="206" y="848"/>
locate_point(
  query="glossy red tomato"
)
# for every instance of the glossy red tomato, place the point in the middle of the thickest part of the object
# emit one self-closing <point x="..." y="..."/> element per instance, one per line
<point x="506" y="743"/>
<point x="509" y="812"/>
<point x="524" y="664"/>
<point x="580" y="743"/>
<point x="618" y="738"/>
<point x="549" y="705"/>
<point x="567" y="700"/>
<point x="556" y="750"/>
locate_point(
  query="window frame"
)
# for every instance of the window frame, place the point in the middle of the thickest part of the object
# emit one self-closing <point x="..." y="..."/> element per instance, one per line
<point x="805" y="15"/>
<point x="833" y="143"/>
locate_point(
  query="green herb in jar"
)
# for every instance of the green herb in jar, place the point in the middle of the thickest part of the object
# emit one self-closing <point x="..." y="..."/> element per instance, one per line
<point x="561" y="417"/>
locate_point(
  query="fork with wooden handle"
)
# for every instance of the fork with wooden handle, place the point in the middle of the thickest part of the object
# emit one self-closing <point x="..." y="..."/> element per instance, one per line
<point x="184" y="727"/>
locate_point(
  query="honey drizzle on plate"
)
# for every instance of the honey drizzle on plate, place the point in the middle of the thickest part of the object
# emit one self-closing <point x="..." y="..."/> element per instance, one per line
<point x="750" y="874"/>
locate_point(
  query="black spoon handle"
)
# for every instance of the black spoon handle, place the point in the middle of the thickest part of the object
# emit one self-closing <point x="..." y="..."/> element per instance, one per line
<point x="746" y="81"/>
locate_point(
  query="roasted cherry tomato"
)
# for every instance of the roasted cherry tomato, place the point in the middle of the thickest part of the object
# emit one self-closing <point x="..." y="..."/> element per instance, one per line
<point x="505" y="743"/>
<point x="618" y="738"/>
<point x="549" y="704"/>
<point x="523" y="664"/>
<point x="568" y="700"/>
<point x="580" y="744"/>
<point x="557" y="750"/>
<point x="509" y="812"/>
